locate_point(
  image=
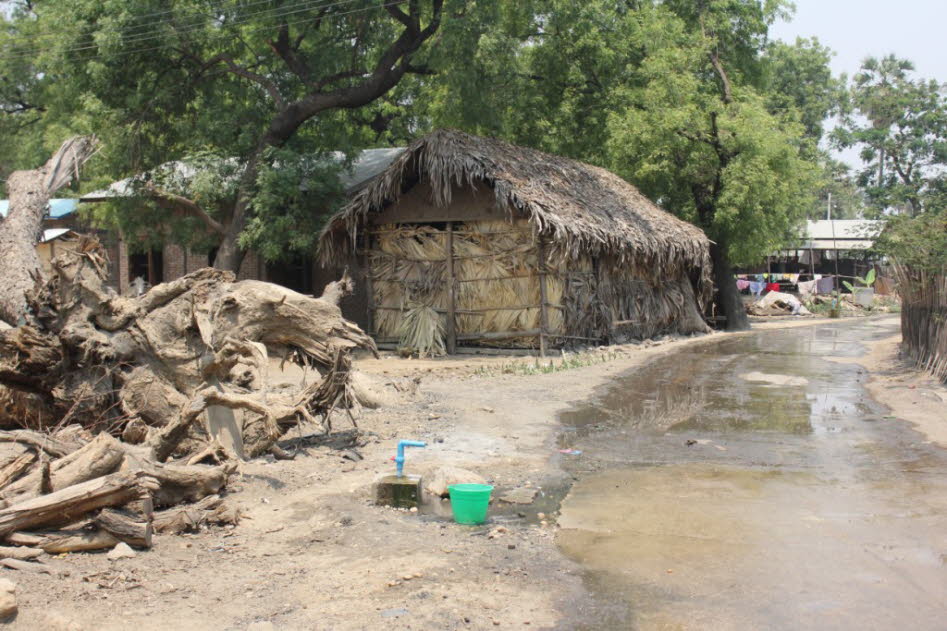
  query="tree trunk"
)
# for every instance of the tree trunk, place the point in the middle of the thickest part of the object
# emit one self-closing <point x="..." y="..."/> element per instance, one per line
<point x="78" y="541"/>
<point x="125" y="527"/>
<point x="17" y="467"/>
<point x="727" y="297"/>
<point x="70" y="504"/>
<point x="29" y="193"/>
<point x="19" y="234"/>
<point x="229" y="253"/>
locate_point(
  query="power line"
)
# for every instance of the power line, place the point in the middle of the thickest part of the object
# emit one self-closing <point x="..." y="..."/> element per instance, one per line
<point x="279" y="12"/>
<point x="156" y="34"/>
<point x="214" y="9"/>
<point x="215" y="12"/>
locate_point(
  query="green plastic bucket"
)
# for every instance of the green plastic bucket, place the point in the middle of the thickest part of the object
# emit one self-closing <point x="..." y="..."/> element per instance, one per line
<point x="469" y="502"/>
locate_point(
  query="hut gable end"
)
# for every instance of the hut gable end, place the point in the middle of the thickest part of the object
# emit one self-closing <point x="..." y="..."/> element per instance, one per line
<point x="418" y="205"/>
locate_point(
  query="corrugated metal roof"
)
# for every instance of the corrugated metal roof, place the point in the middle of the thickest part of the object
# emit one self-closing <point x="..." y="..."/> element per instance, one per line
<point x="839" y="244"/>
<point x="54" y="233"/>
<point x="58" y="208"/>
<point x="844" y="229"/>
<point x="368" y="164"/>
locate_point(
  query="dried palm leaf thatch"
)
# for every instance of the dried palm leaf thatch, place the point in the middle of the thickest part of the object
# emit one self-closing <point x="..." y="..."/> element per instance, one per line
<point x="647" y="310"/>
<point x="579" y="208"/>
<point x="408" y="267"/>
<point x="422" y="331"/>
<point x="498" y="289"/>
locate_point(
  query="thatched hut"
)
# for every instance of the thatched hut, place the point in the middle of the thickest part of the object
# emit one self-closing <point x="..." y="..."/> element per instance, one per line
<point x="468" y="240"/>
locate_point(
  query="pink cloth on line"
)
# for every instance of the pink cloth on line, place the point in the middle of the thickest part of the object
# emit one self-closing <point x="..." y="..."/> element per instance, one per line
<point x="742" y="284"/>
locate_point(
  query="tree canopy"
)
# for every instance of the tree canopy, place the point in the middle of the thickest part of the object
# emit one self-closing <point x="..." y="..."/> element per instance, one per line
<point x="687" y="100"/>
<point x="899" y="124"/>
<point x="261" y="88"/>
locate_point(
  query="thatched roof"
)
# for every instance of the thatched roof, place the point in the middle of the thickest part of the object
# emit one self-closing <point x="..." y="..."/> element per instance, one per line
<point x="580" y="207"/>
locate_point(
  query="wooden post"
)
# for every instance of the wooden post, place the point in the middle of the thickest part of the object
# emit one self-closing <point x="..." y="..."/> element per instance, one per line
<point x="370" y="290"/>
<point x="451" y="293"/>
<point x="543" y="316"/>
<point x="151" y="271"/>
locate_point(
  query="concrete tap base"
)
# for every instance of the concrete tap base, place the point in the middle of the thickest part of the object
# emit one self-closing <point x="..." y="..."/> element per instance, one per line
<point x="400" y="492"/>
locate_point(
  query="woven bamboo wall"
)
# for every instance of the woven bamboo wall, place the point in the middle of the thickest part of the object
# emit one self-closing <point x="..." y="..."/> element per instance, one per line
<point x="498" y="283"/>
<point x="496" y="279"/>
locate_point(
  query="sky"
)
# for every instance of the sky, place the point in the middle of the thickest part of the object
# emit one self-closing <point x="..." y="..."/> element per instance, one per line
<point x="854" y="29"/>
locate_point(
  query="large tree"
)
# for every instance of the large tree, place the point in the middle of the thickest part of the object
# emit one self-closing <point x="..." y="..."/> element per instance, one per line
<point x="251" y="91"/>
<point x="899" y="123"/>
<point x="700" y="137"/>
<point x="684" y="99"/>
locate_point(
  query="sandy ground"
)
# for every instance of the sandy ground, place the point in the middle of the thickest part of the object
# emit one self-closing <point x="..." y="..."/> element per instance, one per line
<point x="313" y="552"/>
<point x="912" y="395"/>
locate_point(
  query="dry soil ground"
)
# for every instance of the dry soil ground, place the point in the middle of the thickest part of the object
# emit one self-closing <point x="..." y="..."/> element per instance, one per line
<point x="313" y="552"/>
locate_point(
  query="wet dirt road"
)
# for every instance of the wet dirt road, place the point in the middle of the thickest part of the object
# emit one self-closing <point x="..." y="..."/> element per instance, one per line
<point x="753" y="484"/>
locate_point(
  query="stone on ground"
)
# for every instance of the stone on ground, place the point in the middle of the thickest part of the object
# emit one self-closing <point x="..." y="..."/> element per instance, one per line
<point x="522" y="495"/>
<point x="7" y="598"/>
<point x="121" y="551"/>
<point x="443" y="477"/>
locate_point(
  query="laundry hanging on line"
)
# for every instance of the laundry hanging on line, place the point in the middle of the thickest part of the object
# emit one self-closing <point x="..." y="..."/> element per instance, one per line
<point x="807" y="288"/>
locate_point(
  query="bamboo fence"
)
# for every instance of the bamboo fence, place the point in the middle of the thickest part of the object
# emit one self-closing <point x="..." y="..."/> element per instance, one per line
<point x="924" y="317"/>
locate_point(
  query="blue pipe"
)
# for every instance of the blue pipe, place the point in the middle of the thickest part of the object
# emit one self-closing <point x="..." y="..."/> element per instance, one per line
<point x="399" y="459"/>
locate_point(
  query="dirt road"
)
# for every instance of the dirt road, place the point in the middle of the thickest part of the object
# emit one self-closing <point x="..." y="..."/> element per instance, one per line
<point x="755" y="484"/>
<point x="314" y="553"/>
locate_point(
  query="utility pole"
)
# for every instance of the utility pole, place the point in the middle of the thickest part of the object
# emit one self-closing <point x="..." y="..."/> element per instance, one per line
<point x="835" y="282"/>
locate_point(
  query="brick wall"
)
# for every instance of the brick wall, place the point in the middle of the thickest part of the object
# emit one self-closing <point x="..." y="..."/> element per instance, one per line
<point x="178" y="261"/>
<point x="252" y="267"/>
<point x="174" y="263"/>
<point x="195" y="261"/>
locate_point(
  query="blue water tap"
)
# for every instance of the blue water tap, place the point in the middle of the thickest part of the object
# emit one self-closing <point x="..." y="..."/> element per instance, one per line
<point x="399" y="459"/>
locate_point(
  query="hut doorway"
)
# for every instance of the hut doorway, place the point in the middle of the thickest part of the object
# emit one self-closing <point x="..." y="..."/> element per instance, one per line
<point x="294" y="273"/>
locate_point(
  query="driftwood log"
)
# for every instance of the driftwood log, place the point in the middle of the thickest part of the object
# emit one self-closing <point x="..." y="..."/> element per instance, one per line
<point x="154" y="365"/>
<point x="29" y="193"/>
<point x="212" y="510"/>
<point x="71" y="503"/>
<point x="125" y="404"/>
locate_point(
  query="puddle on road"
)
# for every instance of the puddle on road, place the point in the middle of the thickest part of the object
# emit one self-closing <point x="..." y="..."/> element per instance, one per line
<point x="707" y="500"/>
<point x="752" y="383"/>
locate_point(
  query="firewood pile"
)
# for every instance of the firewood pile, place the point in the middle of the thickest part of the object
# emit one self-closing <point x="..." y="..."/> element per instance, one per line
<point x="122" y="417"/>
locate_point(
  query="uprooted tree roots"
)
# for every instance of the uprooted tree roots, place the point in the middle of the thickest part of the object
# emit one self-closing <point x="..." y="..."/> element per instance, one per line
<point x="119" y="400"/>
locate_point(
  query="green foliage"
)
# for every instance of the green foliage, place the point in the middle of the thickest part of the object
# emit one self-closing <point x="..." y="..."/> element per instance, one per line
<point x="799" y="83"/>
<point x="295" y="195"/>
<point x="917" y="242"/>
<point x="181" y="80"/>
<point x="900" y="124"/>
<point x="728" y="164"/>
<point x="688" y="100"/>
<point x="867" y="281"/>
<point x="632" y="87"/>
